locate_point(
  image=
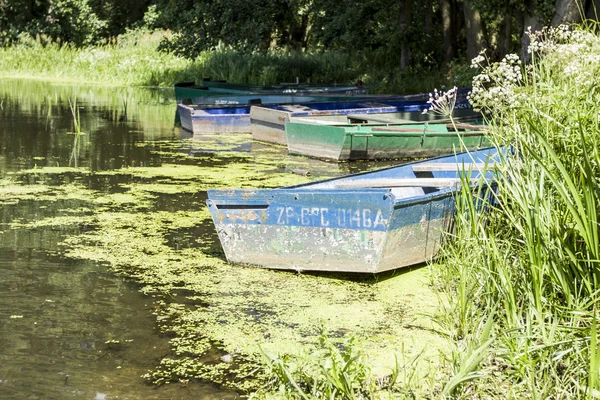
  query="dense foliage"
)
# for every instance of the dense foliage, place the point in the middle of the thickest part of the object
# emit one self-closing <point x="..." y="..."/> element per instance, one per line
<point x="401" y="34"/>
<point x="522" y="278"/>
<point x="81" y="22"/>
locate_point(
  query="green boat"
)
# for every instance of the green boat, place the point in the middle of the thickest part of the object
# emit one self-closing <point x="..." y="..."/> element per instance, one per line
<point x="370" y="142"/>
<point x="190" y="93"/>
<point x="285" y="88"/>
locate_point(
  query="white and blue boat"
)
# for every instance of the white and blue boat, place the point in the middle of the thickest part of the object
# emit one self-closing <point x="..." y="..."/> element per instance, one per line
<point x="367" y="223"/>
<point x="267" y="121"/>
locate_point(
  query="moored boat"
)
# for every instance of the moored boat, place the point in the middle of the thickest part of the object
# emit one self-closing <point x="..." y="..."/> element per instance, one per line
<point x="268" y="122"/>
<point x="203" y="119"/>
<point x="368" y="222"/>
<point x="370" y="142"/>
<point x="285" y="88"/>
<point x="190" y="93"/>
<point x="214" y="119"/>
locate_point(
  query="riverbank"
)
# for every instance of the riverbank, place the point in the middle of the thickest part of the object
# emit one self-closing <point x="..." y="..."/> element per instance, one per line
<point x="134" y="60"/>
<point x="523" y="277"/>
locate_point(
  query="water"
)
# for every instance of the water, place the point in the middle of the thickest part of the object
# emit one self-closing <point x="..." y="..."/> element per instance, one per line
<point x="72" y="329"/>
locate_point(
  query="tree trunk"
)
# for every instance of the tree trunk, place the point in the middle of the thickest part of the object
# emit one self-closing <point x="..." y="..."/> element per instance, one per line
<point x="530" y="20"/>
<point x="568" y="11"/>
<point x="504" y="39"/>
<point x="404" y="24"/>
<point x="446" y="10"/>
<point x="473" y="29"/>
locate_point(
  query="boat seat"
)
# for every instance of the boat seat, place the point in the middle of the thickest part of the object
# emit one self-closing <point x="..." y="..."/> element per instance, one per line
<point x="399" y="182"/>
<point x="406" y="192"/>
<point x="296" y="107"/>
<point x="430" y="167"/>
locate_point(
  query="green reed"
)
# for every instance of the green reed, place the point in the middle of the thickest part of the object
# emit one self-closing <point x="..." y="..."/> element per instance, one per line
<point x="531" y="261"/>
<point x="327" y="373"/>
<point x="76" y="150"/>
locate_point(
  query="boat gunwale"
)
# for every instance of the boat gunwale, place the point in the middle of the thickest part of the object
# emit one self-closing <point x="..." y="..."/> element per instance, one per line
<point x="337" y="178"/>
<point x="398" y="202"/>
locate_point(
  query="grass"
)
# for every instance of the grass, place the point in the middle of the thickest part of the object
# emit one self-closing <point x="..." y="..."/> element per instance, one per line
<point x="525" y="274"/>
<point x="133" y="60"/>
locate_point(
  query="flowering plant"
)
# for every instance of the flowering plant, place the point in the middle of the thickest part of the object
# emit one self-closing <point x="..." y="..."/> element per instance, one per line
<point x="442" y="103"/>
<point x="496" y="88"/>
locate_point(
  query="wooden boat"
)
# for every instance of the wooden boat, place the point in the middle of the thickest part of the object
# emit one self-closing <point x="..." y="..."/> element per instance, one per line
<point x="268" y="122"/>
<point x="214" y="119"/>
<point x="370" y="142"/>
<point x="190" y="93"/>
<point x="368" y="222"/>
<point x="285" y="88"/>
<point x="204" y="119"/>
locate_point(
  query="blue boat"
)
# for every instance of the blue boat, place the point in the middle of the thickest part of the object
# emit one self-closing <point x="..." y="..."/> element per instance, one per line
<point x="214" y="119"/>
<point x="367" y="223"/>
<point x="267" y="122"/>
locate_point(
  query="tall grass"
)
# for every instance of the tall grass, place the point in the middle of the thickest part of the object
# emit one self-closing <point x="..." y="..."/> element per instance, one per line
<point x="532" y="261"/>
<point x="133" y="60"/>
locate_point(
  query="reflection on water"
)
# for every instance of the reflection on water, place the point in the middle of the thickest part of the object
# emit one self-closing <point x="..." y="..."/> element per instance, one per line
<point x="70" y="329"/>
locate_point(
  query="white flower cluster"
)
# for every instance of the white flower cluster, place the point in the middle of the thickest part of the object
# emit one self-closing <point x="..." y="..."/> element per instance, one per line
<point x="574" y="52"/>
<point x="549" y="38"/>
<point x="496" y="87"/>
<point x="442" y="103"/>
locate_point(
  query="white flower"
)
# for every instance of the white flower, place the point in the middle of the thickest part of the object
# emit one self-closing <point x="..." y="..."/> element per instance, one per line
<point x="442" y="103"/>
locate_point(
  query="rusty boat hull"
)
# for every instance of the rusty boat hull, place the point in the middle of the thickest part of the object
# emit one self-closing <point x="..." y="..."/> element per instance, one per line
<point x="364" y="223"/>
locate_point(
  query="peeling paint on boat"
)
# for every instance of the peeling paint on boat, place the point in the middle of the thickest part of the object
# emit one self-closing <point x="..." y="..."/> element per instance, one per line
<point x="322" y="227"/>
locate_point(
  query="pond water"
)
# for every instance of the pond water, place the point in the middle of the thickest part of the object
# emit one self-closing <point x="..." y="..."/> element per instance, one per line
<point x="72" y="328"/>
<point x="69" y="329"/>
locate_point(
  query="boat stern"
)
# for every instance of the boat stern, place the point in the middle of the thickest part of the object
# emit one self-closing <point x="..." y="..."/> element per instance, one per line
<point x="316" y="230"/>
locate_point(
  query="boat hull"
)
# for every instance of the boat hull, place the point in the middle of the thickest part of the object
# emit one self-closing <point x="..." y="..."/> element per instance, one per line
<point x="322" y="248"/>
<point x="355" y="142"/>
<point x="217" y="94"/>
<point x="291" y="88"/>
<point x="322" y="226"/>
<point x="217" y="120"/>
<point x="268" y="123"/>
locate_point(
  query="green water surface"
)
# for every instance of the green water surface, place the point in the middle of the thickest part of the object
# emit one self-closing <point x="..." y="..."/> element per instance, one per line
<point x="112" y="279"/>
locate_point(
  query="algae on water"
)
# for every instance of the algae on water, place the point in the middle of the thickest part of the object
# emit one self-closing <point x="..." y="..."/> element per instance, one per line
<point x="211" y="308"/>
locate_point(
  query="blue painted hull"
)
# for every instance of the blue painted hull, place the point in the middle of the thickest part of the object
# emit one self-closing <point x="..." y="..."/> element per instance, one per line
<point x="214" y="119"/>
<point x="331" y="226"/>
<point x="267" y="122"/>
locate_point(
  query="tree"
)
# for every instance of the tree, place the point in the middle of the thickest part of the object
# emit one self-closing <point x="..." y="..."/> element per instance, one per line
<point x="80" y="22"/>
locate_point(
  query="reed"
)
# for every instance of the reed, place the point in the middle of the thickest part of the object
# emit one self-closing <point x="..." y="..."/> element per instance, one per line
<point x="530" y="263"/>
<point x="327" y="373"/>
<point x="77" y="133"/>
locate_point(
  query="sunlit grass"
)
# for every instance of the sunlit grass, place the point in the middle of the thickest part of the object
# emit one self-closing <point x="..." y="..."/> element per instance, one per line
<point x="134" y="60"/>
<point x="531" y="262"/>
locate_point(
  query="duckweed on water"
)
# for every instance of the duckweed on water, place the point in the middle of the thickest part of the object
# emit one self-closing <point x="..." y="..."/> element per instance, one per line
<point x="241" y="309"/>
<point x="210" y="308"/>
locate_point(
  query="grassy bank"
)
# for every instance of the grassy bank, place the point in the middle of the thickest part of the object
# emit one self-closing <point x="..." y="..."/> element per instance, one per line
<point x="133" y="60"/>
<point x="524" y="276"/>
